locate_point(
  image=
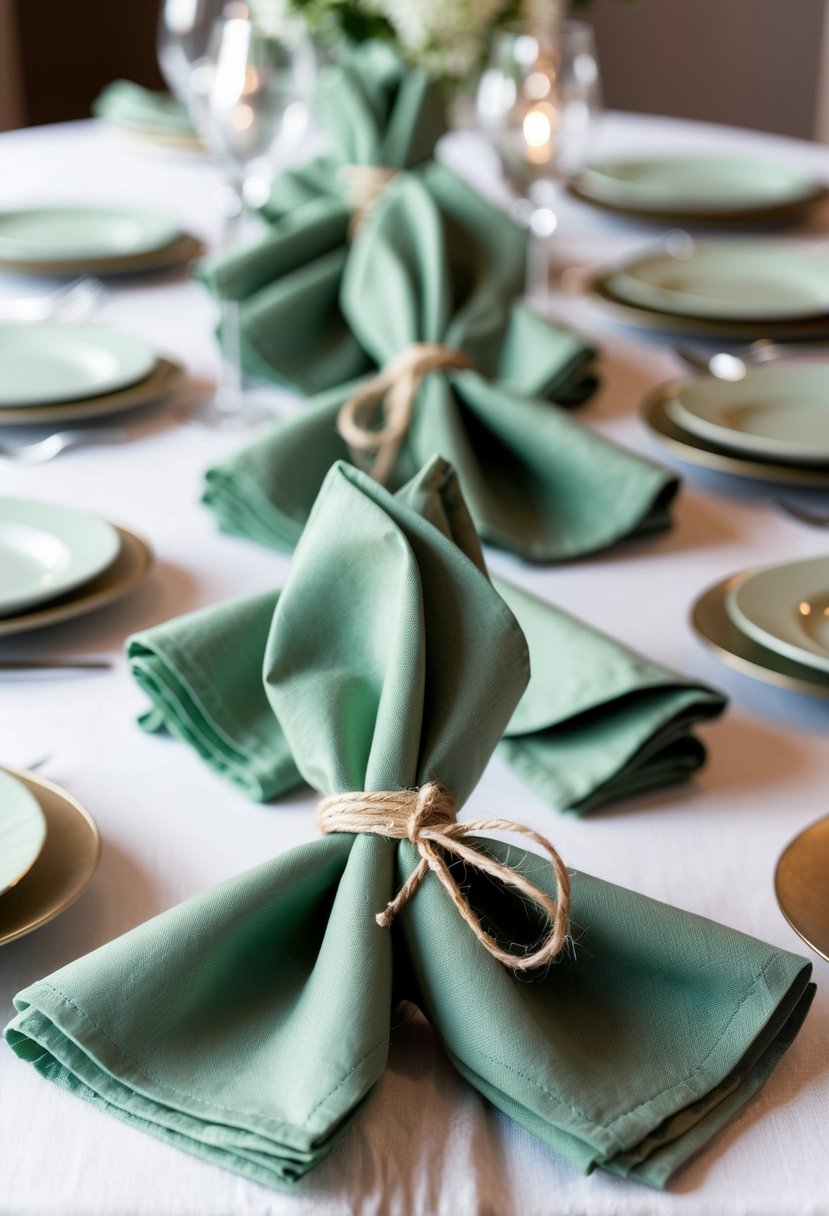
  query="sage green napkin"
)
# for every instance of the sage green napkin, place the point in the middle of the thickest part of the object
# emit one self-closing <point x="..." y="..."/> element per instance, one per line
<point x="599" y="722"/>
<point x="423" y="270"/>
<point x="125" y="104"/>
<point x="247" y="1025"/>
<point x="376" y="112"/>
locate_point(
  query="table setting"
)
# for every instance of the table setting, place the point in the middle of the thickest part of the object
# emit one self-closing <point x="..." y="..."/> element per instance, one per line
<point x="411" y="789"/>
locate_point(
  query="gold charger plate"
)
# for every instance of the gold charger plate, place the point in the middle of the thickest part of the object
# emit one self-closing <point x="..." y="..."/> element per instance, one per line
<point x="161" y="381"/>
<point x="709" y="455"/>
<point x="180" y="251"/>
<point x="801" y="884"/>
<point x="814" y="328"/>
<point x="64" y="867"/>
<point x="129" y="568"/>
<point x="788" y="213"/>
<point x="715" y="628"/>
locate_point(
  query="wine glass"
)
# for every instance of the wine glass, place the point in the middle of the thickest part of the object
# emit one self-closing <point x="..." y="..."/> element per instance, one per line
<point x="537" y="103"/>
<point x="183" y="37"/>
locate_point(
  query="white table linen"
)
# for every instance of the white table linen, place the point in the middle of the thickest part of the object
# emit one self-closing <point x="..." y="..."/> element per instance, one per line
<point x="426" y="1143"/>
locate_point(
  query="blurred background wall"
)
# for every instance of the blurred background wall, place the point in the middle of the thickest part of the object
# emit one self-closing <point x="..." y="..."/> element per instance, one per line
<point x="751" y="63"/>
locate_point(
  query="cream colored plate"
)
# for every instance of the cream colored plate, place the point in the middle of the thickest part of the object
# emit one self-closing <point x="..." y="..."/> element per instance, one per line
<point x="130" y="566"/>
<point x="178" y="253"/>
<point x="161" y="381"/>
<point x="62" y="871"/>
<point x="801" y="883"/>
<point x="785" y="607"/>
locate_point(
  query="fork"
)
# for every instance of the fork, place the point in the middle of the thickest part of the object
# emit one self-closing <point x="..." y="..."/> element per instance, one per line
<point x="70" y="303"/>
<point x="815" y="519"/>
<point x="41" y="450"/>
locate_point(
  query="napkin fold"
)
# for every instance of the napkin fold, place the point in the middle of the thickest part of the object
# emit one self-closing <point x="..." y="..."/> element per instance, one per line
<point x="248" y="1024"/>
<point x="126" y="104"/>
<point x="425" y="270"/>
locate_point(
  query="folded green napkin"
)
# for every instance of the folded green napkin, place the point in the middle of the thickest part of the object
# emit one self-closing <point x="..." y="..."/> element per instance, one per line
<point x="598" y="722"/>
<point x="248" y="1024"/>
<point x="125" y="104"/>
<point x="423" y="270"/>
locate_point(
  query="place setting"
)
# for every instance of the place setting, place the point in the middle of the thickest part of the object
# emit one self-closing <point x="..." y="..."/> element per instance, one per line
<point x="59" y="562"/>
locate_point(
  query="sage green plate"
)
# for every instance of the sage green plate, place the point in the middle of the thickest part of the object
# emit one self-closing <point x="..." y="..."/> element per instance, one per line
<point x="47" y="549"/>
<point x="715" y="628"/>
<point x="64" y="867"/>
<point x="22" y="830"/>
<point x="705" y="186"/>
<point x="786" y="608"/>
<point x="44" y="363"/>
<point x="780" y="412"/>
<point x="801" y="883"/>
<point x="729" y="281"/>
<point x="55" y="233"/>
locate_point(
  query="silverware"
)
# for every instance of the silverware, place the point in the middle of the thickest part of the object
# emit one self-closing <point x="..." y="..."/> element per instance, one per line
<point x="41" y="450"/>
<point x="21" y="666"/>
<point x="73" y="302"/>
<point x="815" y="519"/>
<point x="734" y="364"/>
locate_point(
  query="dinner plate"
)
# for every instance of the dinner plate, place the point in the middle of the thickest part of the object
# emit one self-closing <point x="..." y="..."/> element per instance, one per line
<point x="780" y="412"/>
<point x="130" y="566"/>
<point x="801" y="883"/>
<point x="716" y="630"/>
<point x="785" y="607"/>
<point x="22" y="831"/>
<point x="178" y="252"/>
<point x="44" y="363"/>
<point x="163" y="378"/>
<point x="48" y="549"/>
<point x="695" y="450"/>
<point x="697" y="185"/>
<point x="727" y="281"/>
<point x="45" y="234"/>
<point x="64" y="868"/>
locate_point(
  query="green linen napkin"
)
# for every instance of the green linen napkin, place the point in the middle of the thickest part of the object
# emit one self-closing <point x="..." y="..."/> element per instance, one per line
<point x="599" y="722"/>
<point x="125" y="104"/>
<point x="424" y="270"/>
<point x="247" y="1025"/>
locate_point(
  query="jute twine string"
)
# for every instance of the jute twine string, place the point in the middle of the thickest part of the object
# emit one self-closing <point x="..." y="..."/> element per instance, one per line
<point x="363" y="185"/>
<point x="392" y="391"/>
<point x="426" y="817"/>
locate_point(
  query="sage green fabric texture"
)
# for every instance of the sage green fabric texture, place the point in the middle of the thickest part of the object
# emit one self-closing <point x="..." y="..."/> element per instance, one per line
<point x="126" y="104"/>
<point x="248" y="1024"/>
<point x="375" y="111"/>
<point x="424" y="269"/>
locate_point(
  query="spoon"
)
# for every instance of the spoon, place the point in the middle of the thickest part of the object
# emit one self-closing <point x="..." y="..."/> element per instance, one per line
<point x="729" y="365"/>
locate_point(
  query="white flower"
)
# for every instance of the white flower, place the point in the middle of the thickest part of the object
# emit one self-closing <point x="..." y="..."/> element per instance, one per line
<point x="446" y="37"/>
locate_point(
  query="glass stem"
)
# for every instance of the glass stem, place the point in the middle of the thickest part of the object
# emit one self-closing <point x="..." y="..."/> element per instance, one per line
<point x="538" y="269"/>
<point x="229" y="386"/>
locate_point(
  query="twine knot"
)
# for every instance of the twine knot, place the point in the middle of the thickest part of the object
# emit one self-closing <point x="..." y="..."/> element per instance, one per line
<point x="363" y="186"/>
<point x="426" y="817"/>
<point x="393" y="390"/>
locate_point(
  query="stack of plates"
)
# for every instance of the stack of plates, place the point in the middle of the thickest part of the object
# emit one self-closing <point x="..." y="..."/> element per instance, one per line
<point x="57" y="562"/>
<point x="738" y="289"/>
<point x="772" y="623"/>
<point x="92" y="240"/>
<point x="62" y="373"/>
<point x="773" y="425"/>
<point x="693" y="189"/>
<point x="49" y="848"/>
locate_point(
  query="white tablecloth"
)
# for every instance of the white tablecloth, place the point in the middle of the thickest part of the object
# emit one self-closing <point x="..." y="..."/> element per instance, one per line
<point x="426" y="1143"/>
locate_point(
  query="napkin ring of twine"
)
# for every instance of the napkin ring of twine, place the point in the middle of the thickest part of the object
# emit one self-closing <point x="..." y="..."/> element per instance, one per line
<point x="391" y="393"/>
<point x="363" y="186"/>
<point x="426" y="817"/>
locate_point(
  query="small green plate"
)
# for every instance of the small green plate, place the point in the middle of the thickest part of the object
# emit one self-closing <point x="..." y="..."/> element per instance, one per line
<point x="22" y="830"/>
<point x="45" y="363"/>
<point x="785" y="607"/>
<point x="727" y="281"/>
<point x="64" y="233"/>
<point x="47" y="549"/>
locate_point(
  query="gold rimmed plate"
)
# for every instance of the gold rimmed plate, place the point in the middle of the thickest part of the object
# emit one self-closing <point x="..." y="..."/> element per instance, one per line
<point x="129" y="568"/>
<point x="801" y="884"/>
<point x="708" y="455"/>
<point x="177" y="253"/>
<point x="64" y="867"/>
<point x="162" y="380"/>
<point x="715" y="628"/>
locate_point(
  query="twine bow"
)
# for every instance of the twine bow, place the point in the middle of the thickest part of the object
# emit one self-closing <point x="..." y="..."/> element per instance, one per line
<point x="362" y="186"/>
<point x="393" y="390"/>
<point x="426" y="817"/>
